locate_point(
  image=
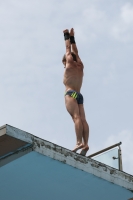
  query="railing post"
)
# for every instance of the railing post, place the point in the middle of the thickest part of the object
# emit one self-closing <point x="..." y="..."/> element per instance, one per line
<point x="120" y="159"/>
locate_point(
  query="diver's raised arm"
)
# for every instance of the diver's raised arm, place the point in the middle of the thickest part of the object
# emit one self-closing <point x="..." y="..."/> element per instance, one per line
<point x="67" y="41"/>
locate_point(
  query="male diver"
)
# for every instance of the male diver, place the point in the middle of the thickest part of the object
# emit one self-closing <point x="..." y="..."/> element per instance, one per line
<point x="73" y="78"/>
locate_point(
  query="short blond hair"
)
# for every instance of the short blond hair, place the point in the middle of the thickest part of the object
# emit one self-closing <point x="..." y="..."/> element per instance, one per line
<point x="73" y="55"/>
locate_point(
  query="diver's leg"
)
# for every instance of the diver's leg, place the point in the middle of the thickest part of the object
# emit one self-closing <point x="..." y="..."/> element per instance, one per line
<point x="73" y="109"/>
<point x="85" y="128"/>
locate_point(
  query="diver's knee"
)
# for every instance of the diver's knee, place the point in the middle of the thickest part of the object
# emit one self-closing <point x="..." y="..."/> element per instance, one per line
<point x="76" y="118"/>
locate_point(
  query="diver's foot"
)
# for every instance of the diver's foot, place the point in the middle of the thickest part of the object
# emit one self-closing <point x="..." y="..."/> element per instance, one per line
<point x="77" y="147"/>
<point x="84" y="150"/>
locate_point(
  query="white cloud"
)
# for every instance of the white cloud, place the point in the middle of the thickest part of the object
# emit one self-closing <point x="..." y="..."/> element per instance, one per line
<point x="93" y="15"/>
<point x="127" y="13"/>
<point x="126" y="137"/>
<point x="95" y="20"/>
<point x="111" y="75"/>
<point x="122" y="29"/>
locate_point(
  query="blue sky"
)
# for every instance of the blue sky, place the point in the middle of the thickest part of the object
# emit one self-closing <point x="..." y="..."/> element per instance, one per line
<point x="31" y="49"/>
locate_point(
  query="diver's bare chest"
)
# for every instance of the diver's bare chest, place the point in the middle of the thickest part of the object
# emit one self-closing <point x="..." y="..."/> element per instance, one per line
<point x="73" y="72"/>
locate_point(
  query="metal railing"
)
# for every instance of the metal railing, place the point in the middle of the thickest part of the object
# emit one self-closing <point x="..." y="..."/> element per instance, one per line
<point x="108" y="148"/>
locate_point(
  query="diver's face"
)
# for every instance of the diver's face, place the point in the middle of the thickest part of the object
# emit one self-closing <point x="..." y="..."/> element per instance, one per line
<point x="64" y="63"/>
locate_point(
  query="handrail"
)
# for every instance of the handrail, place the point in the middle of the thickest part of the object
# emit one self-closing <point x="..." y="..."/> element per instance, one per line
<point x="106" y="149"/>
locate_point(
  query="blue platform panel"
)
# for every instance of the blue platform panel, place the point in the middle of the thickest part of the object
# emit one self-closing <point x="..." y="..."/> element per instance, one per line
<point x="37" y="177"/>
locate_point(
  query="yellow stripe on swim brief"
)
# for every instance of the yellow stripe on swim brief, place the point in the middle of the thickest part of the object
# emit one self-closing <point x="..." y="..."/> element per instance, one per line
<point x="74" y="95"/>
